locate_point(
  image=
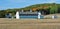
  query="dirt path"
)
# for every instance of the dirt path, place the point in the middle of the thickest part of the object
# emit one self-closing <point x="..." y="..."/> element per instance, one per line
<point x="29" y="23"/>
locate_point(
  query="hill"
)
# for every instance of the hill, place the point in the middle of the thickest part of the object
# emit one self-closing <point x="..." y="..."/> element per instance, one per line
<point x="48" y="7"/>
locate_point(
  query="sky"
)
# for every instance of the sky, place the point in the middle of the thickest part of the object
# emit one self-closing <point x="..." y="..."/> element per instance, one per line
<point x="10" y="4"/>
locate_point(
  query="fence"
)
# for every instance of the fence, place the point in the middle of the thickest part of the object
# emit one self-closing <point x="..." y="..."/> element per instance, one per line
<point x="36" y="15"/>
<point x="30" y="15"/>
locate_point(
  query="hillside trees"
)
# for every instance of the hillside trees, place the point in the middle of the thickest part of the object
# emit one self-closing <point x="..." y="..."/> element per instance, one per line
<point x="52" y="8"/>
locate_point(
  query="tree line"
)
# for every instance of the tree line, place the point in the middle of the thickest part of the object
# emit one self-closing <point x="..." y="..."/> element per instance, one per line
<point x="53" y="8"/>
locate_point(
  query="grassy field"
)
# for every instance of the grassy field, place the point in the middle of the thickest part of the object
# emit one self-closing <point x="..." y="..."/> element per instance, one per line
<point x="6" y="23"/>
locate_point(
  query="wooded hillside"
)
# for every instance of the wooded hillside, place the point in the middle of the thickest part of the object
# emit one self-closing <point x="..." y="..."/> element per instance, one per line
<point x="53" y="7"/>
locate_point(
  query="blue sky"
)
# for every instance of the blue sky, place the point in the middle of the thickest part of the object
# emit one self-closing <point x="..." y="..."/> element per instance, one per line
<point x="6" y="4"/>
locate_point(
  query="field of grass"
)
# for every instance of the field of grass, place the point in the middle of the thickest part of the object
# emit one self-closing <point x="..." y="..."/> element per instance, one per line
<point x="6" y="23"/>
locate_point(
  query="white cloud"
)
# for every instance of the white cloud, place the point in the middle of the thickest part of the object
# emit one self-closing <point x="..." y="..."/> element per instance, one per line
<point x="17" y="1"/>
<point x="49" y="1"/>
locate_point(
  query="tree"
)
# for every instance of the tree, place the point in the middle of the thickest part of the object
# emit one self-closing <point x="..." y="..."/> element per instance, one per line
<point x="53" y="9"/>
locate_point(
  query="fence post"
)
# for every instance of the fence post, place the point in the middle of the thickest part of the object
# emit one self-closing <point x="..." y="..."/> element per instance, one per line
<point x="39" y="14"/>
<point x="30" y="10"/>
<point x="22" y="10"/>
<point x="17" y="15"/>
<point x="54" y="17"/>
